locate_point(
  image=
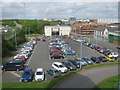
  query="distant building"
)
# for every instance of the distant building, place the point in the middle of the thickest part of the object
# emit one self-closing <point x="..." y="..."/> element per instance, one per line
<point x="108" y="21"/>
<point x="108" y="34"/>
<point x="57" y="30"/>
<point x="72" y="19"/>
<point x="85" y="29"/>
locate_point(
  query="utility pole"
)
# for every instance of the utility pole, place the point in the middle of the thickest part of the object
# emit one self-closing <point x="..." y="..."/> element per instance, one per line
<point x="29" y="32"/>
<point x="96" y="39"/>
<point x="15" y="39"/>
<point x="81" y="47"/>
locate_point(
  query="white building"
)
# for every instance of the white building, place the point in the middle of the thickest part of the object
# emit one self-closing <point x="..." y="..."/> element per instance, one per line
<point x="57" y="30"/>
<point x="107" y="21"/>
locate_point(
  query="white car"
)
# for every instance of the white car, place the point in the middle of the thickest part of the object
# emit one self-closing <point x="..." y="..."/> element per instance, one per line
<point x="39" y="74"/>
<point x="60" y="67"/>
<point x="114" y="54"/>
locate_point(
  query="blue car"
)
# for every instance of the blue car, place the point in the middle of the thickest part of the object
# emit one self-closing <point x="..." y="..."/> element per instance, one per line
<point x="27" y="75"/>
<point x="69" y="52"/>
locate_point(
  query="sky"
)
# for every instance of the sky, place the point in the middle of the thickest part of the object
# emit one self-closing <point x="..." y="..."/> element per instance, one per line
<point x="34" y="9"/>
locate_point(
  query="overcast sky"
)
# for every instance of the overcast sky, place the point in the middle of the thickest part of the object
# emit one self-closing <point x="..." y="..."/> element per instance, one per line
<point x="38" y="10"/>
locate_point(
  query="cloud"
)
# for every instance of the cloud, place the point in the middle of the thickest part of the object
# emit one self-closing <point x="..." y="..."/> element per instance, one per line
<point x="39" y="10"/>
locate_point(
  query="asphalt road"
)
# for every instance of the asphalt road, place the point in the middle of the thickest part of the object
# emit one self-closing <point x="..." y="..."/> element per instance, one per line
<point x="89" y="78"/>
<point x="40" y="59"/>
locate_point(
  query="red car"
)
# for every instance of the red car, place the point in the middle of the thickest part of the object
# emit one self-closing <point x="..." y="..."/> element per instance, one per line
<point x="97" y="47"/>
<point x="53" y="52"/>
<point x="21" y="57"/>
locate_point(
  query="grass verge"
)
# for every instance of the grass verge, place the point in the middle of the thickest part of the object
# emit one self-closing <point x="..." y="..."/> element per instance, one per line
<point x="33" y="35"/>
<point x="49" y="84"/>
<point x="111" y="82"/>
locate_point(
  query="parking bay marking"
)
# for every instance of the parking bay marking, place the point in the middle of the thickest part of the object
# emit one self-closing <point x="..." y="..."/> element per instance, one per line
<point x="17" y="75"/>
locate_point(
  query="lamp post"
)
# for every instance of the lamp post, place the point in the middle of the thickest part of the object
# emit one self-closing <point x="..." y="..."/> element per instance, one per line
<point x="29" y="32"/>
<point x="96" y="39"/>
<point x="15" y="38"/>
<point x="81" y="47"/>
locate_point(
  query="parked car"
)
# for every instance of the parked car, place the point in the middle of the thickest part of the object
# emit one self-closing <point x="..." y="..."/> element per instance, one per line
<point x="13" y="65"/>
<point x="95" y="59"/>
<point x="89" y="61"/>
<point x="69" y="65"/>
<point x="97" y="47"/>
<point x="84" y="63"/>
<point x="57" y="55"/>
<point x="114" y="54"/>
<point x="27" y="75"/>
<point x="102" y="58"/>
<point x="74" y="62"/>
<point x="110" y="58"/>
<point x="69" y="52"/>
<point x="39" y="74"/>
<point x="59" y="66"/>
<point x="54" y="72"/>
<point x="92" y="46"/>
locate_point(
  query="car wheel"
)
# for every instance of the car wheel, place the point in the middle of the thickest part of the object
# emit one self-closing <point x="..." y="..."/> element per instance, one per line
<point x="17" y="69"/>
<point x="4" y="69"/>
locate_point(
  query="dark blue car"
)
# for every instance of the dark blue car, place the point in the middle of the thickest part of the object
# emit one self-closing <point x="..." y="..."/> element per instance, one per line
<point x="27" y="75"/>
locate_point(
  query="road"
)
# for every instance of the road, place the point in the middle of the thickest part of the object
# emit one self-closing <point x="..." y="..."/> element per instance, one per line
<point x="89" y="78"/>
<point x="40" y="59"/>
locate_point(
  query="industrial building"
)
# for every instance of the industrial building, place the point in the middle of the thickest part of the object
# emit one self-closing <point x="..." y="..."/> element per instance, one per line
<point x="57" y="30"/>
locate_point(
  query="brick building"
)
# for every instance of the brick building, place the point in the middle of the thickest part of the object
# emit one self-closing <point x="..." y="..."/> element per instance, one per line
<point x="85" y="29"/>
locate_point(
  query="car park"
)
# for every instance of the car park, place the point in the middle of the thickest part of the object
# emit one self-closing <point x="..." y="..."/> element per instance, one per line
<point x="59" y="66"/>
<point x="39" y="75"/>
<point x="13" y="65"/>
<point x="69" y="65"/>
<point x="54" y="72"/>
<point x="27" y="75"/>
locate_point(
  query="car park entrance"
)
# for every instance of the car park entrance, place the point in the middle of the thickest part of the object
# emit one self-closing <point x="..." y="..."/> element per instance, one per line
<point x="55" y="33"/>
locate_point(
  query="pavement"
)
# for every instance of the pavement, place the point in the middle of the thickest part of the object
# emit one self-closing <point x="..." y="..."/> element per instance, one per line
<point x="40" y="59"/>
<point x="89" y="78"/>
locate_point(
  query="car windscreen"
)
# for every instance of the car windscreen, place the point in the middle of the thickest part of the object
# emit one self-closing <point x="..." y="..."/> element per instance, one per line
<point x="61" y="66"/>
<point x="56" y="71"/>
<point x="26" y="73"/>
<point x="39" y="73"/>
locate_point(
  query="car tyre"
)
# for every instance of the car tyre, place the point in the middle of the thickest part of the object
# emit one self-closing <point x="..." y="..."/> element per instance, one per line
<point x="4" y="69"/>
<point x="17" y="70"/>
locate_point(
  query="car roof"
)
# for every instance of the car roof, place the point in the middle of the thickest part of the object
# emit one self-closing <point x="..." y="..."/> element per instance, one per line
<point x="58" y="63"/>
<point x="27" y="69"/>
<point x="39" y="69"/>
<point x="14" y="61"/>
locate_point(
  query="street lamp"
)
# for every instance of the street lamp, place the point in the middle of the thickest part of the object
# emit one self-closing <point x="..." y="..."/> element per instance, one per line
<point x="81" y="47"/>
<point x="15" y="38"/>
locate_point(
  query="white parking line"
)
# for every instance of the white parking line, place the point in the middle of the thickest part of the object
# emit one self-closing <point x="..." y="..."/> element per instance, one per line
<point x="17" y="75"/>
<point x="31" y="55"/>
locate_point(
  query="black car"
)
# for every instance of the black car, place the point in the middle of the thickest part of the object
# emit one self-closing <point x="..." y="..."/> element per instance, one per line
<point x="93" y="46"/>
<point x="43" y="40"/>
<point x="57" y="55"/>
<point x="69" y="65"/>
<point x="22" y="60"/>
<point x="89" y="61"/>
<point x="95" y="59"/>
<point x="74" y="62"/>
<point x="13" y="65"/>
<point x="102" y="58"/>
<point x="54" y="72"/>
